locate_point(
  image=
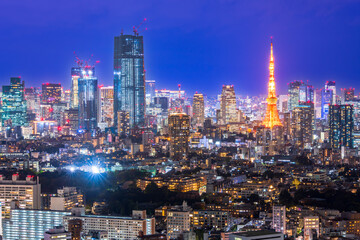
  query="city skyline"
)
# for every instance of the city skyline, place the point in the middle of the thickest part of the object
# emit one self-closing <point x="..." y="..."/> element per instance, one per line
<point x="192" y="50"/>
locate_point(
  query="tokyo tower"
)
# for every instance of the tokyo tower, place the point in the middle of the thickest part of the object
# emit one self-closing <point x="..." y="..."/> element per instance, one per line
<point x="272" y="115"/>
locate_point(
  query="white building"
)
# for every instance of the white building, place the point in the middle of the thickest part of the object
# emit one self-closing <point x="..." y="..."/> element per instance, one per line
<point x="26" y="192"/>
<point x="118" y="228"/>
<point x="66" y="199"/>
<point x="178" y="221"/>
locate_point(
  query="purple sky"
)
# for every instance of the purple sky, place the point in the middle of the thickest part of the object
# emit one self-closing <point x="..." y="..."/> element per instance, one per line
<point x="201" y="44"/>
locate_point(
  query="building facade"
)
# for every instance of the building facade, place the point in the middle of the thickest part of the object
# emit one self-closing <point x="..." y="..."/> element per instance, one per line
<point x="129" y="78"/>
<point x="198" y="110"/>
<point x="179" y="131"/>
<point x="13" y="108"/>
<point x="228" y="105"/>
<point x="341" y="125"/>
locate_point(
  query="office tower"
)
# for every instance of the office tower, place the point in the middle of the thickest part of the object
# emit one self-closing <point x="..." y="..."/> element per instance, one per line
<point x="331" y="86"/>
<point x="311" y="227"/>
<point x="118" y="228"/>
<point x="283" y="103"/>
<point x="32" y="97"/>
<point x="302" y="125"/>
<point x="71" y="118"/>
<point x="317" y="103"/>
<point x="26" y="192"/>
<point x="347" y="95"/>
<point x="341" y="124"/>
<point x="76" y="73"/>
<point x="279" y="219"/>
<point x="129" y="78"/>
<point x="272" y="116"/>
<point x="123" y="124"/>
<point x="163" y="103"/>
<point x="31" y="224"/>
<point x="228" y="104"/>
<point x="57" y="233"/>
<point x="293" y="92"/>
<point x="326" y="101"/>
<point x="106" y="106"/>
<point x="306" y="93"/>
<point x="150" y="91"/>
<point x="13" y="104"/>
<point x="75" y="228"/>
<point x="51" y="93"/>
<point x="88" y="100"/>
<point x="66" y="199"/>
<point x="179" y="131"/>
<point x="198" y="110"/>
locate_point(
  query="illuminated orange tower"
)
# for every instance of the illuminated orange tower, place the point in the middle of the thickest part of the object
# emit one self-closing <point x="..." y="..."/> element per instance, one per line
<point x="272" y="116"/>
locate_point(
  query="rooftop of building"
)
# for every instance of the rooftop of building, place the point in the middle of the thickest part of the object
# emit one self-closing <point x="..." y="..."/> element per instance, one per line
<point x="257" y="233"/>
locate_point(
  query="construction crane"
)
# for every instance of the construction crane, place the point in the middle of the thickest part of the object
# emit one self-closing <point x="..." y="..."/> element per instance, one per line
<point x="85" y="64"/>
<point x="136" y="30"/>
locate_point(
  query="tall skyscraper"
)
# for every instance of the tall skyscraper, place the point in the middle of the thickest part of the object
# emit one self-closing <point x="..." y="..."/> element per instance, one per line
<point x="331" y="85"/>
<point x="293" y="92"/>
<point x="14" y="104"/>
<point x="302" y="125"/>
<point x="51" y="93"/>
<point x="198" y="109"/>
<point x="279" y="219"/>
<point x="32" y="96"/>
<point x="150" y="91"/>
<point x="347" y="95"/>
<point x="76" y="73"/>
<point x="341" y="124"/>
<point x="129" y="78"/>
<point x="228" y="104"/>
<point x="326" y="101"/>
<point x="272" y="116"/>
<point x="106" y="105"/>
<point x="306" y="93"/>
<point x="88" y="100"/>
<point x="179" y="131"/>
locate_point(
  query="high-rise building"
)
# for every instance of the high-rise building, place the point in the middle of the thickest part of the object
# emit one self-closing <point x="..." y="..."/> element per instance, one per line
<point x="341" y="124"/>
<point x="306" y="93"/>
<point x="88" y="100"/>
<point x="26" y="192"/>
<point x="14" y="104"/>
<point x="51" y="93"/>
<point x="32" y="97"/>
<point x="293" y="92"/>
<point x="326" y="101"/>
<point x="317" y="103"/>
<point x="331" y="85"/>
<point x="150" y="91"/>
<point x="302" y="125"/>
<point x="76" y="73"/>
<point x="179" y="131"/>
<point x="106" y="106"/>
<point x="228" y="104"/>
<point x="272" y="115"/>
<point x="123" y="124"/>
<point x="198" y="110"/>
<point x="279" y="219"/>
<point x="71" y="118"/>
<point x="347" y="95"/>
<point x="129" y="78"/>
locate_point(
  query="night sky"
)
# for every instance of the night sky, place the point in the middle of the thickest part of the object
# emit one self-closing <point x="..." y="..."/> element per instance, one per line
<point x="201" y="44"/>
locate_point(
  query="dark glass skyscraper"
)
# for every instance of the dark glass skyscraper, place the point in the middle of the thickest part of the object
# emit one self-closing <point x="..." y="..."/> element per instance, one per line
<point x="88" y="100"/>
<point x="129" y="78"/>
<point x="341" y="124"/>
<point x="13" y="103"/>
